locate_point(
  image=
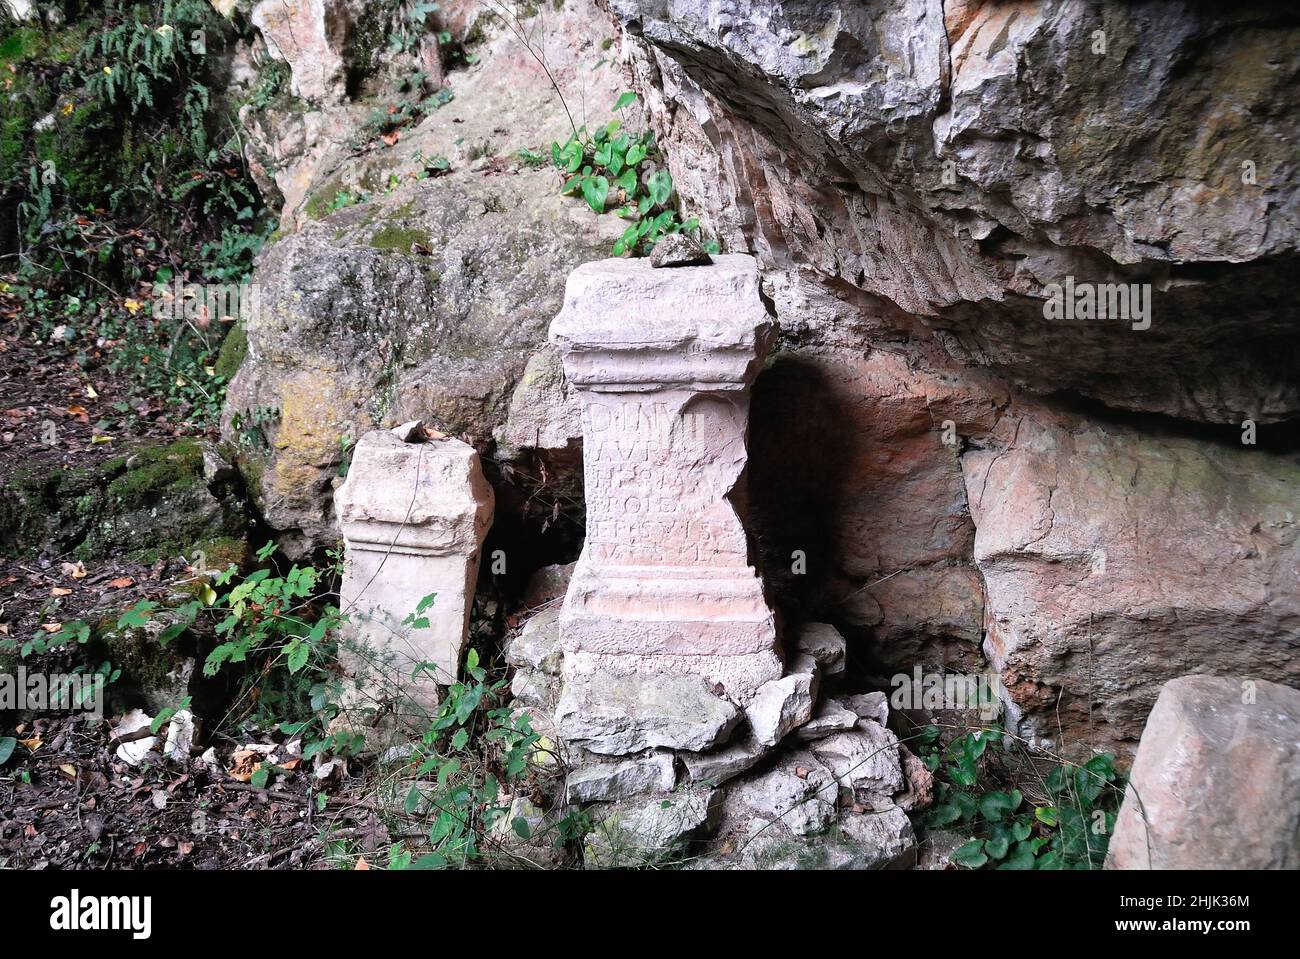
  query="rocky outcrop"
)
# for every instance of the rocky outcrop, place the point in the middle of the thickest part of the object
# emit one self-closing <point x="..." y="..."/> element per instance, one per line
<point x="421" y="276"/>
<point x="940" y="466"/>
<point x="908" y="149"/>
<point x="918" y="179"/>
<point x="1115" y="561"/>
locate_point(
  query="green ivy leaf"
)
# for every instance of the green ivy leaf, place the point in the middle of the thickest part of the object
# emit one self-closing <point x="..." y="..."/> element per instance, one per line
<point x="626" y="98"/>
<point x="660" y="186"/>
<point x="996" y="848"/>
<point x="971" y="855"/>
<point x="594" y="190"/>
<point x="7" y="745"/>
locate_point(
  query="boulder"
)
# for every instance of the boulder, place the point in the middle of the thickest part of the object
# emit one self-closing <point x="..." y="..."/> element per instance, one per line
<point x="537" y="646"/>
<point x="829" y="717"/>
<point x="823" y="643"/>
<point x="650" y="832"/>
<point x="617" y="715"/>
<point x="781" y="705"/>
<point x="716" y="767"/>
<point x="864" y="760"/>
<point x="799" y="794"/>
<point x="1115" y="562"/>
<point x="1216" y="781"/>
<point x="651" y="773"/>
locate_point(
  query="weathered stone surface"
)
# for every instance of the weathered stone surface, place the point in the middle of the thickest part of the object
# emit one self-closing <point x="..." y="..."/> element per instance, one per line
<point x="716" y="767"/>
<point x="829" y="717"/>
<point x="423" y="302"/>
<point x="798" y="793"/>
<point x="537" y="645"/>
<point x="1216" y="781"/>
<point x="310" y="36"/>
<point x="823" y="643"/>
<point x="617" y="715"/>
<point x="918" y="793"/>
<point x="547" y="586"/>
<point x="884" y="838"/>
<point x="872" y="706"/>
<point x="876" y="501"/>
<point x="1100" y="589"/>
<point x="780" y="706"/>
<point x="413" y="516"/>
<point x="679" y="249"/>
<point x="651" y="773"/>
<point x="664" y="579"/>
<point x="650" y="831"/>
<point x="864" y="760"/>
<point x="904" y="148"/>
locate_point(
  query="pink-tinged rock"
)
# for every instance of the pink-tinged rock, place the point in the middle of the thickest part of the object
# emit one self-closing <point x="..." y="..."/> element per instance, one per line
<point x="310" y="36"/>
<point x="1216" y="781"/>
<point x="413" y="516"/>
<point x="1115" y="562"/>
<point x="662" y="361"/>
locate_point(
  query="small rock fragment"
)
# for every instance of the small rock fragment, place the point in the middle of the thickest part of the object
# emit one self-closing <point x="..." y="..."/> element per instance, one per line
<point x="823" y="643"/>
<point x="612" y="781"/>
<point x="679" y="249"/>
<point x="781" y="705"/>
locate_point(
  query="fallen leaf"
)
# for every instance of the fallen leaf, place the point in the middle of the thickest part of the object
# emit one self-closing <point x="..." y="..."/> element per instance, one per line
<point x="133" y="306"/>
<point x="80" y="412"/>
<point x="60" y="591"/>
<point x="122" y="582"/>
<point x="76" y="570"/>
<point x="51" y="627"/>
<point x="33" y="744"/>
<point x="100" y="438"/>
<point x="68" y="770"/>
<point x="90" y="392"/>
<point x="391" y="138"/>
<point x="362" y="865"/>
<point x="4" y="629"/>
<point x="246" y="762"/>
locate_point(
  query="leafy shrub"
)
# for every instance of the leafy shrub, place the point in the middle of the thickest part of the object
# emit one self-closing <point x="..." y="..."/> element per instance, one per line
<point x="611" y="169"/>
<point x="1069" y="828"/>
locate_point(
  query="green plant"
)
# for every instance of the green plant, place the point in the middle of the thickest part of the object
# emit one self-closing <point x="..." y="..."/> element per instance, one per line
<point x="1069" y="828"/>
<point x="475" y="758"/>
<point x="611" y="169"/>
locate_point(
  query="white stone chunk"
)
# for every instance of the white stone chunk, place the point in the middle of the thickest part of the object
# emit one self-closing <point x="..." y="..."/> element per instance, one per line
<point x="617" y="715"/>
<point x="829" y="717"/>
<point x="636" y="776"/>
<point x="823" y="642"/>
<point x="780" y="706"/>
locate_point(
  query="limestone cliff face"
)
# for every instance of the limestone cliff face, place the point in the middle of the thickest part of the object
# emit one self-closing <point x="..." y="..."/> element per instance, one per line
<point x="915" y="176"/>
<point x="973" y="481"/>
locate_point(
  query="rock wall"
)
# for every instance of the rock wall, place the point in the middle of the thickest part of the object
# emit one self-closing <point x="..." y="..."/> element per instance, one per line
<point x="969" y="477"/>
<point x="945" y="470"/>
